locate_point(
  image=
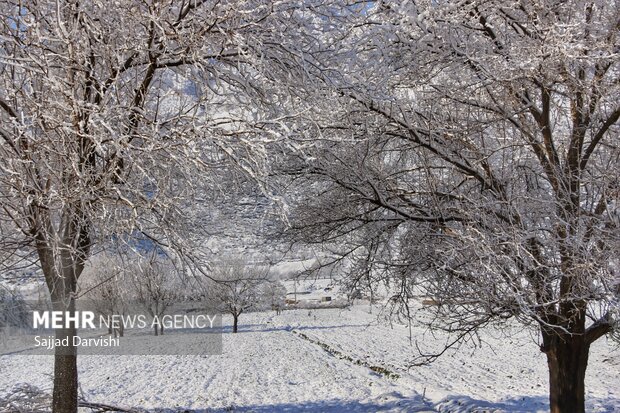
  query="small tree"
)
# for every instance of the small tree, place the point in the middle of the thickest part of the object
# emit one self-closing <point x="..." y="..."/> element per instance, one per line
<point x="106" y="288"/>
<point x="13" y="309"/>
<point x="235" y="288"/>
<point x="273" y="295"/>
<point x="153" y="283"/>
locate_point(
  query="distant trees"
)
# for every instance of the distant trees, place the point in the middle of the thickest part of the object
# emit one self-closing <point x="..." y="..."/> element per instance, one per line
<point x="471" y="152"/>
<point x="237" y="287"/>
<point x="120" y="284"/>
<point x="107" y="289"/>
<point x="155" y="286"/>
<point x="14" y="310"/>
<point x="273" y="295"/>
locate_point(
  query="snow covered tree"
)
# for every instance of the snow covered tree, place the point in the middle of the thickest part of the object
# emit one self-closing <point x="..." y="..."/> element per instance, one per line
<point x="106" y="287"/>
<point x="235" y="287"/>
<point x="155" y="284"/>
<point x="111" y="115"/>
<point x="13" y="310"/>
<point x="471" y="151"/>
<point x="273" y="295"/>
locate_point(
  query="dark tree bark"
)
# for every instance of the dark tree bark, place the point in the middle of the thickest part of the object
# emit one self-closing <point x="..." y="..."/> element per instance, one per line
<point x="62" y="261"/>
<point x="65" y="395"/>
<point x="118" y="331"/>
<point x="567" y="361"/>
<point x="235" y="322"/>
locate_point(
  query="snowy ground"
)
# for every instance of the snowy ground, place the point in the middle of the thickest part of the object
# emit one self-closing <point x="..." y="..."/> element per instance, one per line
<point x="329" y="361"/>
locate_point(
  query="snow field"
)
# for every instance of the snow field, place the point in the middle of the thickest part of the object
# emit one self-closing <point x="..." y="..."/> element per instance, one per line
<point x="321" y="363"/>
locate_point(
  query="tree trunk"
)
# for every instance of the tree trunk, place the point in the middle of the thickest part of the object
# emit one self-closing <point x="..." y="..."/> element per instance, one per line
<point x="567" y="358"/>
<point x="71" y="253"/>
<point x="235" y="322"/>
<point x="65" y="395"/>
